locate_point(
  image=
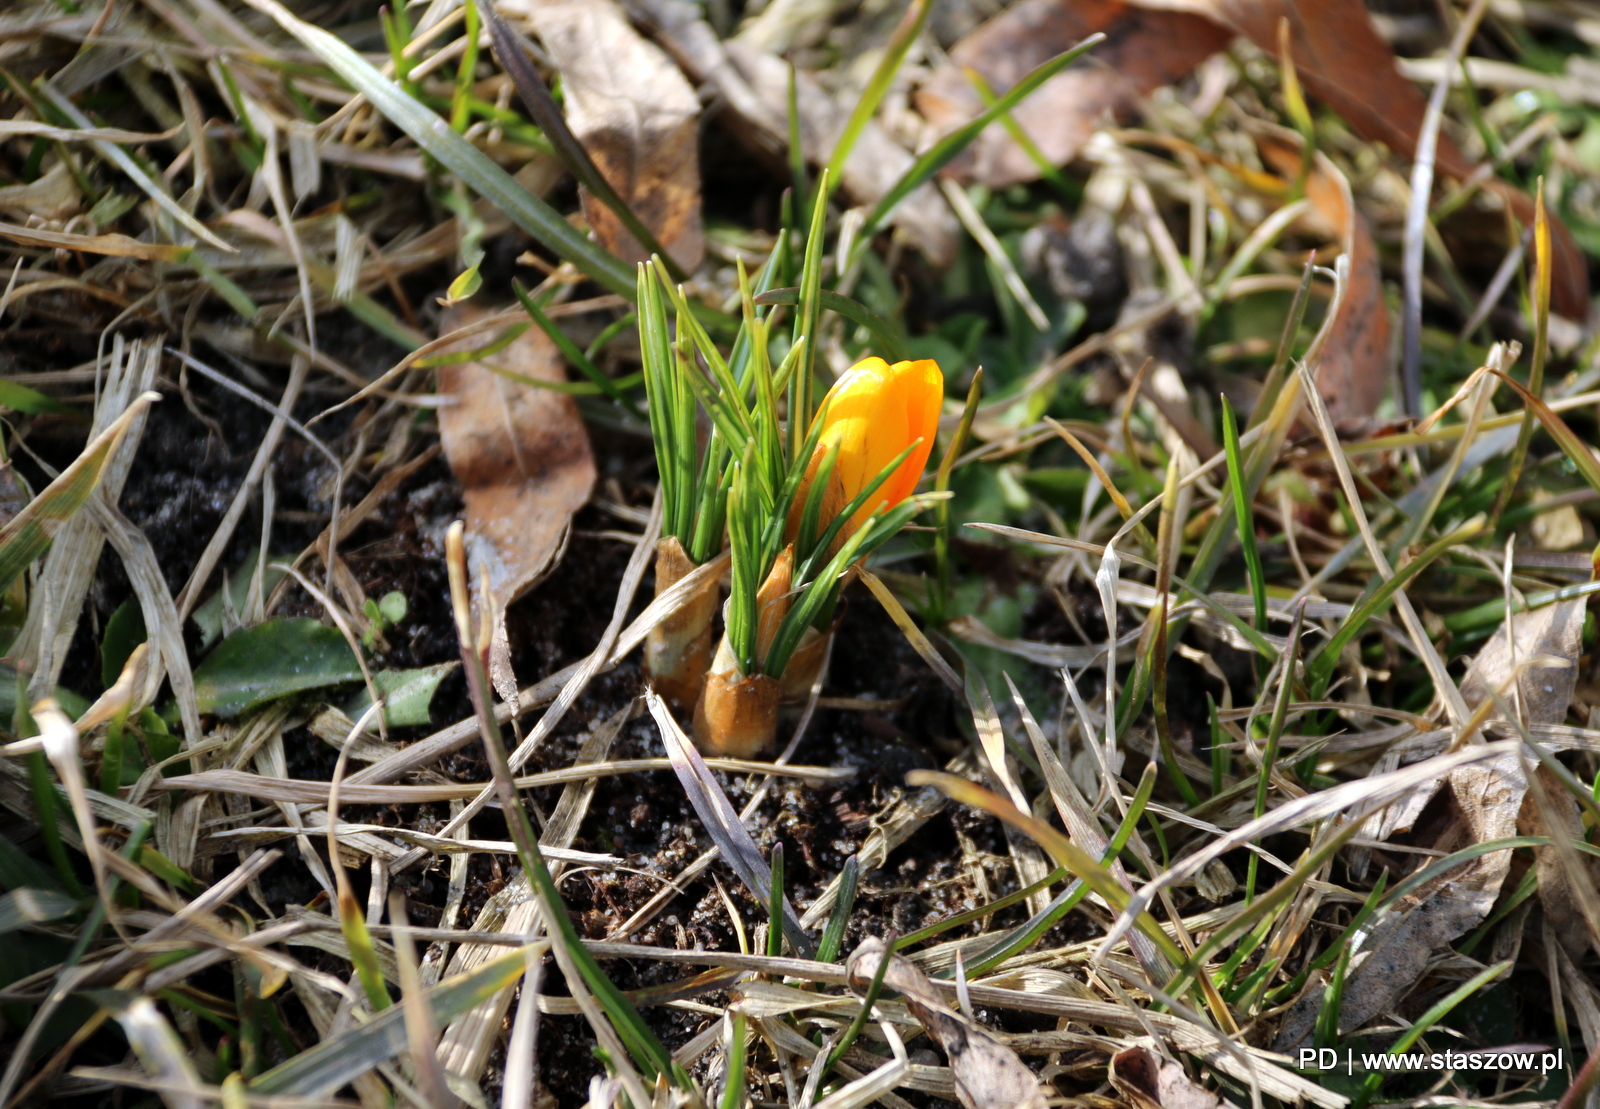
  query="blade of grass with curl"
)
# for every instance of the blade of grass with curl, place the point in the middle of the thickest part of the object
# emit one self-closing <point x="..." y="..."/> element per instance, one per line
<point x="455" y="153"/>
<point x="889" y="340"/>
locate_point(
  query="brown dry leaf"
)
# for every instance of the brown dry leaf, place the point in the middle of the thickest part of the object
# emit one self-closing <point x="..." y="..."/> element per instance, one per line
<point x="635" y="114"/>
<point x="755" y="87"/>
<point x="1343" y="62"/>
<point x="1354" y="367"/>
<point x="1542" y="692"/>
<point x="1337" y="52"/>
<point x="1561" y="890"/>
<point x="1485" y="800"/>
<point x="987" y="1073"/>
<point x="522" y="457"/>
<point x="1144" y="50"/>
<point x="1151" y="1083"/>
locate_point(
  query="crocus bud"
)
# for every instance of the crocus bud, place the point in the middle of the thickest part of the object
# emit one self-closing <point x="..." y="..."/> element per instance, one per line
<point x="873" y="412"/>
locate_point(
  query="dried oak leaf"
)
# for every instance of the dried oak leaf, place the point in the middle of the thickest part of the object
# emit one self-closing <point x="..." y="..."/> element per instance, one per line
<point x="522" y="457"/>
<point x="636" y="115"/>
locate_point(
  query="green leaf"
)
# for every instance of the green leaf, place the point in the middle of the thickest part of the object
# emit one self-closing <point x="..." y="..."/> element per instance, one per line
<point x="393" y="607"/>
<point x="467" y="282"/>
<point x="893" y="347"/>
<point x="28" y="534"/>
<point x="457" y="154"/>
<point x="124" y="632"/>
<point x="272" y="660"/>
<point x="233" y="598"/>
<point x="334" y="1062"/>
<point x="20" y="398"/>
<point x="406" y="693"/>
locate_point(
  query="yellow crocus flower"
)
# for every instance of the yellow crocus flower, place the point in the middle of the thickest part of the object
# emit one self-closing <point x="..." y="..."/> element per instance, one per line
<point x="873" y="412"/>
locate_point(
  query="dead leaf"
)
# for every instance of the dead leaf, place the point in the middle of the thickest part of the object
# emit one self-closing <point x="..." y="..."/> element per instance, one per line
<point x="522" y="457"/>
<point x="635" y="114"/>
<point x="54" y="196"/>
<point x="755" y="86"/>
<point x="1353" y="371"/>
<point x="1338" y="56"/>
<point x="1486" y="800"/>
<point x="987" y="1073"/>
<point x="1152" y="1083"/>
<point x="1559" y="887"/>
<point x="1143" y="51"/>
<point x="1543" y="692"/>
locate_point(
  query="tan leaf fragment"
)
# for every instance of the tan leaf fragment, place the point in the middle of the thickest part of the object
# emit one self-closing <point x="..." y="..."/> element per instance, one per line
<point x="635" y="114"/>
<point x="1485" y="802"/>
<point x="1144" y="50"/>
<point x="987" y="1073"/>
<point x="1149" y="1082"/>
<point x="755" y="86"/>
<point x="522" y="457"/>
<point x="1353" y="371"/>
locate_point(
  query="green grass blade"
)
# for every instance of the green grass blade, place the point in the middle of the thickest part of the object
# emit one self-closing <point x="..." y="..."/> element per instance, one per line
<point x="894" y="55"/>
<point x="1441" y="1009"/>
<point x="889" y="341"/>
<point x="1280" y="713"/>
<point x="334" y="1062"/>
<point x="844" y="901"/>
<point x="542" y="107"/>
<point x="943" y="152"/>
<point x="456" y="154"/>
<point x="1242" y="513"/>
<point x="806" y="320"/>
<point x="572" y="352"/>
<point x="775" y="905"/>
